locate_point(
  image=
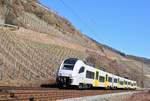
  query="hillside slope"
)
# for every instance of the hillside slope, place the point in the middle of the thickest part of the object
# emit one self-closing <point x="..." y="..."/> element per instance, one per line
<point x="33" y="51"/>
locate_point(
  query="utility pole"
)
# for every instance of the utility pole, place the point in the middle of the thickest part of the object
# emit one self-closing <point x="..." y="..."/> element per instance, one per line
<point x="142" y="81"/>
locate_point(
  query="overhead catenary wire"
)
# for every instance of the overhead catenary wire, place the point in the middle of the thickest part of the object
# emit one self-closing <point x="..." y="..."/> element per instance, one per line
<point x="78" y="16"/>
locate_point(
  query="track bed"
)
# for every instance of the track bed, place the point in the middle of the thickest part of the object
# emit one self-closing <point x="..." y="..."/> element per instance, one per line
<point x="47" y="94"/>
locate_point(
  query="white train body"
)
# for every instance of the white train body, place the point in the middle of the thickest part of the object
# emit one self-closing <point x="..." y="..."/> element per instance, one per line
<point x="74" y="72"/>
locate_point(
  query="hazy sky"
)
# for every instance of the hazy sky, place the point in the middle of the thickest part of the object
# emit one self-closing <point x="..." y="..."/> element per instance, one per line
<point x="121" y="24"/>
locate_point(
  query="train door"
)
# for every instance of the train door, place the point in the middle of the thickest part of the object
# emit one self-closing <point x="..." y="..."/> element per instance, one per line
<point x="106" y="81"/>
<point x="124" y="84"/>
<point x="96" y="79"/>
<point x="118" y="86"/>
<point x="81" y="75"/>
<point x="112" y="82"/>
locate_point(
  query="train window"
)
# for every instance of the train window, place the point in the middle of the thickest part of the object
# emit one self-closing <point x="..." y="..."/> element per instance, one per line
<point x="109" y="79"/>
<point x="129" y="83"/>
<point x="89" y="75"/>
<point x="115" y="80"/>
<point x="125" y="82"/>
<point x="121" y="82"/>
<point x="69" y="64"/>
<point x="70" y="61"/>
<point x="81" y="70"/>
<point x="68" y="67"/>
<point x="97" y="74"/>
<point x="101" y="79"/>
<point x="134" y="84"/>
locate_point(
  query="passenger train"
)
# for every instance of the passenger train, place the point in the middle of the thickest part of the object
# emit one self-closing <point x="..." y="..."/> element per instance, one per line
<point x="75" y="72"/>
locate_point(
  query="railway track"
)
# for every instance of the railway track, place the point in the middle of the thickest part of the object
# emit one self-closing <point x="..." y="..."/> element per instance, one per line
<point x="47" y="94"/>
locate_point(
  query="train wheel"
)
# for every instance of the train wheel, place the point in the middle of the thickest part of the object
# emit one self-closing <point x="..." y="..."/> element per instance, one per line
<point x="89" y="86"/>
<point x="80" y="86"/>
<point x="64" y="85"/>
<point x="107" y="88"/>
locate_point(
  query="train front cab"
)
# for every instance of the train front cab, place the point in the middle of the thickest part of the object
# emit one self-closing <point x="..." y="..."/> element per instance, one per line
<point x="66" y="72"/>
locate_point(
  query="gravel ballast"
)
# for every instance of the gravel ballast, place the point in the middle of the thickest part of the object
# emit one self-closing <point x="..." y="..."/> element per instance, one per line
<point x="105" y="97"/>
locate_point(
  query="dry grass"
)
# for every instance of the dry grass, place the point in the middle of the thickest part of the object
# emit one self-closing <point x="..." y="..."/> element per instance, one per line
<point x="28" y="11"/>
<point x="142" y="96"/>
<point x="28" y="61"/>
<point x="51" y="18"/>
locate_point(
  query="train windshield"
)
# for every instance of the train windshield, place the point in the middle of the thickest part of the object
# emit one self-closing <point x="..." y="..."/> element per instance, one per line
<point x="69" y="64"/>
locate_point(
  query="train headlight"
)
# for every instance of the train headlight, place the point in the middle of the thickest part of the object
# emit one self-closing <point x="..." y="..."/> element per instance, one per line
<point x="70" y="75"/>
<point x="60" y="74"/>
